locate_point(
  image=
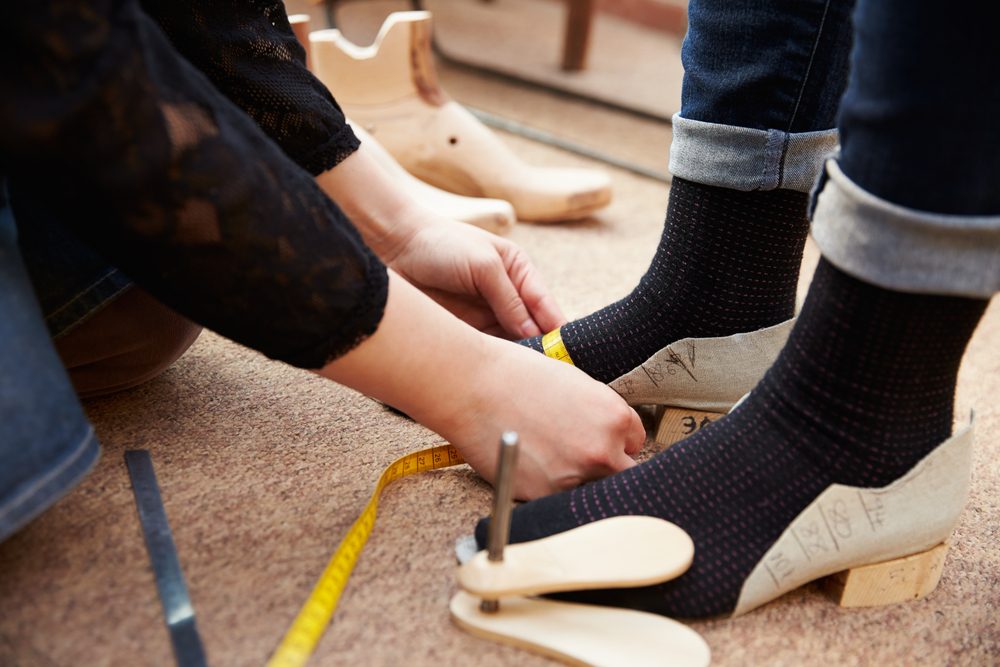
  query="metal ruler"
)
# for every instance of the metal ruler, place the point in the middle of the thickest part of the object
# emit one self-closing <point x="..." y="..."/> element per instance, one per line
<point x="177" y="610"/>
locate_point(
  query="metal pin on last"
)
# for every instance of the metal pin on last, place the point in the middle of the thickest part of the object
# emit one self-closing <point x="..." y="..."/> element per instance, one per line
<point x="502" y="505"/>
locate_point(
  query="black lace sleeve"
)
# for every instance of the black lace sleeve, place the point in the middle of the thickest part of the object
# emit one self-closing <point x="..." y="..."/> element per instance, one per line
<point x="147" y="162"/>
<point x="248" y="50"/>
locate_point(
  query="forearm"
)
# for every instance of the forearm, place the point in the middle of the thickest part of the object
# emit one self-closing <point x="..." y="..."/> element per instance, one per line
<point x="469" y="388"/>
<point x="421" y="359"/>
<point x="142" y="158"/>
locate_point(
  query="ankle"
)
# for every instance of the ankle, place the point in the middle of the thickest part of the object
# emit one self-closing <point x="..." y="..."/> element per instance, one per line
<point x="868" y="375"/>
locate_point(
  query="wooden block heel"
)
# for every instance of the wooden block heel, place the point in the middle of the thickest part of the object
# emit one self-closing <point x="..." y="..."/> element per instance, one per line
<point x="889" y="582"/>
<point x="675" y="424"/>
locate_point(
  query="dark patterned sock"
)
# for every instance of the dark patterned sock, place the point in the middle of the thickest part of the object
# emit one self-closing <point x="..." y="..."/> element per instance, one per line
<point x="863" y="390"/>
<point x="727" y="262"/>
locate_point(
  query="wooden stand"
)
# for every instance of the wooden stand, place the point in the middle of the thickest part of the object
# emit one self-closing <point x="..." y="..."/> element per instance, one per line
<point x="579" y="22"/>
<point x="622" y="551"/>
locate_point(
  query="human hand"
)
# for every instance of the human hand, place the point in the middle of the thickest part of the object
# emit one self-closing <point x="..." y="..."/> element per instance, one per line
<point x="485" y="280"/>
<point x="470" y="388"/>
<point x="572" y="428"/>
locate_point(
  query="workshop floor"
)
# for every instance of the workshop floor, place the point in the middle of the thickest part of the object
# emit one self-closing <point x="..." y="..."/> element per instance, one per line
<point x="263" y="468"/>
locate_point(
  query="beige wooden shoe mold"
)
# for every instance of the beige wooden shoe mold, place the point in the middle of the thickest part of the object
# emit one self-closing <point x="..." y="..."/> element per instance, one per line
<point x="619" y="552"/>
<point x="493" y="215"/>
<point x="624" y="551"/>
<point x="586" y="635"/>
<point x="885" y="545"/>
<point x="392" y="90"/>
<point x="698" y="380"/>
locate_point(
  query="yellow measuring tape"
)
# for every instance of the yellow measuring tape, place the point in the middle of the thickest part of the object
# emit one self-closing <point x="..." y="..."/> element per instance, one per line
<point x="301" y="639"/>
<point x="553" y="346"/>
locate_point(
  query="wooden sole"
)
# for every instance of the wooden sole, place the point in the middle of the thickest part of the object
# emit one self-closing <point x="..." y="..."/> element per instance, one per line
<point x="890" y="582"/>
<point x="675" y="424"/>
<point x="580" y="634"/>
<point x="620" y="552"/>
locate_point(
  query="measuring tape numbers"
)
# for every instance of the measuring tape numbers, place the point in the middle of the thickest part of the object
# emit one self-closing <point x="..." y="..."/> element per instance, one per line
<point x="307" y="628"/>
<point x="555" y="348"/>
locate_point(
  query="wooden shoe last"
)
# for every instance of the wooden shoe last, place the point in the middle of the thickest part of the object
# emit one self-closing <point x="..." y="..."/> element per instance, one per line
<point x="391" y="89"/>
<point x="884" y="545"/>
<point x="493" y="215"/>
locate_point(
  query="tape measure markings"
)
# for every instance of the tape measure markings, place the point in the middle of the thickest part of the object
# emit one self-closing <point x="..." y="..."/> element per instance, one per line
<point x="306" y="630"/>
<point x="553" y="346"/>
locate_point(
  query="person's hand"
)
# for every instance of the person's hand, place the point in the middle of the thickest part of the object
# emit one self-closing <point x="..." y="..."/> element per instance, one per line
<point x="572" y="428"/>
<point x="483" y="279"/>
<point x="470" y="388"/>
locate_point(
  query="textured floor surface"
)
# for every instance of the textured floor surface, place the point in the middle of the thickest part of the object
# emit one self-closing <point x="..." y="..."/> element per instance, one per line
<point x="263" y="468"/>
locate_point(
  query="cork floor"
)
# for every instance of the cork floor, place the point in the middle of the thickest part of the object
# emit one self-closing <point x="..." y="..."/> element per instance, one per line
<point x="263" y="468"/>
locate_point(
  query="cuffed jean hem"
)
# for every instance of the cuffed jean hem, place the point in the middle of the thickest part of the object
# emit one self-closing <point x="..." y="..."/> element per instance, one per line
<point x="904" y="249"/>
<point x="37" y="494"/>
<point x="746" y="159"/>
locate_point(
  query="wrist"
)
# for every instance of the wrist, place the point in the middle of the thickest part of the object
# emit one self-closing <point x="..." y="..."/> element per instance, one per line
<point x="421" y="360"/>
<point x="385" y="215"/>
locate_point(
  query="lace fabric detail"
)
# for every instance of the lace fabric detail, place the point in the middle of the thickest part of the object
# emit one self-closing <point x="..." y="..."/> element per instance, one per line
<point x="105" y="125"/>
<point x="249" y="52"/>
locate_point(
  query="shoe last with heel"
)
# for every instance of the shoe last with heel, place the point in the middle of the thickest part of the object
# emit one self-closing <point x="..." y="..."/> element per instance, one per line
<point x="493" y="215"/>
<point x="875" y="546"/>
<point x="391" y="89"/>
<point x="693" y="381"/>
<point x="868" y="547"/>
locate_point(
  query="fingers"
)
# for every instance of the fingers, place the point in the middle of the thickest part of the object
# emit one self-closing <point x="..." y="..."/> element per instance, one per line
<point x="636" y="437"/>
<point x="622" y="461"/>
<point x="494" y="283"/>
<point x="543" y="308"/>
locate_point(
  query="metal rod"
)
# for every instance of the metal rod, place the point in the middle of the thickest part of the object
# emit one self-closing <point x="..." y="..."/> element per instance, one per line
<point x="503" y="496"/>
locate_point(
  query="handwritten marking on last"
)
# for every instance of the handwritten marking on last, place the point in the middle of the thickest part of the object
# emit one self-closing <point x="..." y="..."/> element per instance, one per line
<point x="840" y="519"/>
<point x="780" y="567"/>
<point x="691" y="424"/>
<point x="654" y="375"/>
<point x="675" y="359"/>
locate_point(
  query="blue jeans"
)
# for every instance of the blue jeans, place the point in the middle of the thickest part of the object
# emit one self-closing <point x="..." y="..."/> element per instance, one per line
<point x="913" y="201"/>
<point x="46" y="443"/>
<point x="71" y="281"/>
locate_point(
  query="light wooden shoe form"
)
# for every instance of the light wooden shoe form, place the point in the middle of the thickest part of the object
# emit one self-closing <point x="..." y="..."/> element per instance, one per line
<point x="493" y="215"/>
<point x="580" y="634"/>
<point x="391" y="89"/>
<point x="620" y="552"/>
<point x="617" y="552"/>
<point x="876" y="546"/>
<point x="697" y="380"/>
<point x="693" y="381"/>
